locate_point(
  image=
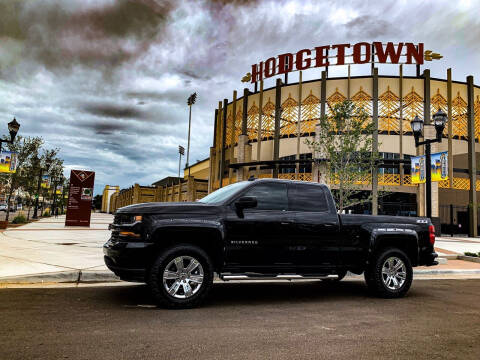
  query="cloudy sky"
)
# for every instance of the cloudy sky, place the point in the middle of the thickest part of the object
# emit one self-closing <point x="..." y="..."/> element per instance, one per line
<point x="107" y="80"/>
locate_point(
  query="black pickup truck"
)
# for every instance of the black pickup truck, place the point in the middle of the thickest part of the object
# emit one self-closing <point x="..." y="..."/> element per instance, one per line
<point x="263" y="229"/>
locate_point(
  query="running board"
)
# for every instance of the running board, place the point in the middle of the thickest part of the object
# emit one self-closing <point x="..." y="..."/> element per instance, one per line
<point x="274" y="277"/>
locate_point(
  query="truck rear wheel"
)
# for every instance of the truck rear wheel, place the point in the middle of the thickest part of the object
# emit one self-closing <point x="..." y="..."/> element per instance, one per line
<point x="390" y="275"/>
<point x="181" y="277"/>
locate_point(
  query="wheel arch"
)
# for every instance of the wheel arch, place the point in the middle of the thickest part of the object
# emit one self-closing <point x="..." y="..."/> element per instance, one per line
<point x="407" y="243"/>
<point x="208" y="239"/>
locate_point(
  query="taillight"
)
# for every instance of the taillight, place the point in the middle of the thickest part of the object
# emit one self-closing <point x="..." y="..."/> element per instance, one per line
<point x="431" y="234"/>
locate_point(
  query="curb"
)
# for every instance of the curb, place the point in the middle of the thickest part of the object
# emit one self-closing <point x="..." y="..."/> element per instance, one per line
<point x="75" y="276"/>
<point x="92" y="276"/>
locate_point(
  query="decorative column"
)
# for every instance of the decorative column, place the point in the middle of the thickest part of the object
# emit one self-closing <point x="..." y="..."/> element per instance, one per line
<point x="299" y="125"/>
<point x="450" y="127"/>
<point x="222" y="150"/>
<point x="243" y="145"/>
<point x="430" y="133"/>
<point x="319" y="170"/>
<point x="259" y="129"/>
<point x="232" y="136"/>
<point x="276" y="136"/>
<point x="400" y="91"/>
<point x="472" y="163"/>
<point x="375" y="141"/>
<point x="213" y="161"/>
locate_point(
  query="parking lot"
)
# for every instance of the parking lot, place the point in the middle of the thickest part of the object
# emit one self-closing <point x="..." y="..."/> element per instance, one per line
<point x="439" y="319"/>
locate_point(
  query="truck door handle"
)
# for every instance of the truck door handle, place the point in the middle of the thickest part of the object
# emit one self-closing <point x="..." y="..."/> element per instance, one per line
<point x="286" y="223"/>
<point x="329" y="225"/>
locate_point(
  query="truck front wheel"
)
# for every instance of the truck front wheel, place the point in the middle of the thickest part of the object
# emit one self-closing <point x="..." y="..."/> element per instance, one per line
<point x="390" y="274"/>
<point x="181" y="277"/>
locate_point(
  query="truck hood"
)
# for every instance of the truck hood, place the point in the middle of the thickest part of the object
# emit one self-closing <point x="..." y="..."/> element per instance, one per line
<point x="169" y="208"/>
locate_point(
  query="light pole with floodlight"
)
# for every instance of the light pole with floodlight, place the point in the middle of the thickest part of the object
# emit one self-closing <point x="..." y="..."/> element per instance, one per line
<point x="191" y="100"/>
<point x="439" y="121"/>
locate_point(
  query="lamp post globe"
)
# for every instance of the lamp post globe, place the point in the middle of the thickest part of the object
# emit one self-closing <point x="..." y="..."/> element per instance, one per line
<point x="13" y="127"/>
<point x="417" y="126"/>
<point x="439" y="120"/>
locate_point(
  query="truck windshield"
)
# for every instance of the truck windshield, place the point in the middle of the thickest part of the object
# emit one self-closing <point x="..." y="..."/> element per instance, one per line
<point x="224" y="193"/>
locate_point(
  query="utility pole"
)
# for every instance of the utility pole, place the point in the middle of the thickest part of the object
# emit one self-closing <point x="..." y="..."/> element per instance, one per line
<point x="191" y="100"/>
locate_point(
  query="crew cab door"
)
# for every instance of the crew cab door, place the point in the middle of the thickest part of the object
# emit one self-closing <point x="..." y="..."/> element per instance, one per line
<point x="259" y="240"/>
<point x="317" y="228"/>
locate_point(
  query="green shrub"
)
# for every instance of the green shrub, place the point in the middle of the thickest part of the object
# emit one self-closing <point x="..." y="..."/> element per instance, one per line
<point x="19" y="219"/>
<point x="46" y="213"/>
<point x="471" y="254"/>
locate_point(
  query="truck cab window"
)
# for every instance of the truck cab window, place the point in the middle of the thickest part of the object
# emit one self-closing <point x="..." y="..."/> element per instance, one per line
<point x="309" y="198"/>
<point x="270" y="196"/>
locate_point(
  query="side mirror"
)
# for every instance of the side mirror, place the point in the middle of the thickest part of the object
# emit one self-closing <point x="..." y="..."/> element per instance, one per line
<point x="245" y="202"/>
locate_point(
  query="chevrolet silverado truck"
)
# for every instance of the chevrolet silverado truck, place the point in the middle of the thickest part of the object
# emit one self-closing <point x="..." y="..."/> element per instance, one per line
<point x="263" y="229"/>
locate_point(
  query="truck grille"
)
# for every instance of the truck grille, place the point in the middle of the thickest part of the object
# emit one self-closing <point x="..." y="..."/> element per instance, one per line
<point x="120" y="219"/>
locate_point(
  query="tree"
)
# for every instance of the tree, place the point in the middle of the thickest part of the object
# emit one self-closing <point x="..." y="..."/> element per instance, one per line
<point x="25" y="149"/>
<point x="345" y="146"/>
<point x="97" y="201"/>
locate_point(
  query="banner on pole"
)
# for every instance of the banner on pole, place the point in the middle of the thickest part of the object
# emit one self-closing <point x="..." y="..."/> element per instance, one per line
<point x="417" y="164"/>
<point x="8" y="162"/>
<point x="79" y="205"/>
<point x="45" y="182"/>
<point x="439" y="166"/>
<point x="59" y="189"/>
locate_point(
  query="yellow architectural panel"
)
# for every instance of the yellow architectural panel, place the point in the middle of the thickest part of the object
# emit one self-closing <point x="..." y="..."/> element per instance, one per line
<point x="310" y="113"/>
<point x="252" y="122"/>
<point x="461" y="183"/>
<point x="268" y="121"/>
<point x="412" y="106"/>
<point x="438" y="102"/>
<point x="336" y="98"/>
<point x="459" y="117"/>
<point x="389" y="112"/>
<point x="476" y="107"/>
<point x="288" y="120"/>
<point x="238" y="124"/>
<point x="363" y="101"/>
<point x="229" y="128"/>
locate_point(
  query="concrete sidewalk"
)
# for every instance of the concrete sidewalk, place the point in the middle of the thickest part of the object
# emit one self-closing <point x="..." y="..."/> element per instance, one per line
<point x="47" y="251"/>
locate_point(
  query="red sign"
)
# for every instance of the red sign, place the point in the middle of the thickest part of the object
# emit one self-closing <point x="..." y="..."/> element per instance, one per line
<point x="340" y="54"/>
<point x="80" y="196"/>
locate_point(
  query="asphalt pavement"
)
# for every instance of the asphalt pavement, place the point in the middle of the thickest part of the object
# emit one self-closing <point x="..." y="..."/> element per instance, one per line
<point x="439" y="319"/>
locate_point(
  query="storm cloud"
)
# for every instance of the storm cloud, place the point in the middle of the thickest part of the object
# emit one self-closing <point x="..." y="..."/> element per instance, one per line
<point x="107" y="80"/>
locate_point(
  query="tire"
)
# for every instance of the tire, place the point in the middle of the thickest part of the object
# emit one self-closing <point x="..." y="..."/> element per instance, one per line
<point x="387" y="283"/>
<point x="341" y="275"/>
<point x="170" y="272"/>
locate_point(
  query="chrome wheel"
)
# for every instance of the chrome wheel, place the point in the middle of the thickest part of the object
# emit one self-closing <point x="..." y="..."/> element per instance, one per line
<point x="183" y="277"/>
<point x="394" y="273"/>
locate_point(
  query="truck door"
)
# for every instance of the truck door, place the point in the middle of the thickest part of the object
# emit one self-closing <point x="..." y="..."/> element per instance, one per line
<point x="261" y="237"/>
<point x="316" y="247"/>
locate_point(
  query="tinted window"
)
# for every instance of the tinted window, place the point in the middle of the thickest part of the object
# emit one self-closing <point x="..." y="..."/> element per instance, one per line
<point x="308" y="198"/>
<point x="224" y="193"/>
<point x="270" y="196"/>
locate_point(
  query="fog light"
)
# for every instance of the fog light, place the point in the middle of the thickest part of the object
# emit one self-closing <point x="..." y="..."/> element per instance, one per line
<point x="129" y="233"/>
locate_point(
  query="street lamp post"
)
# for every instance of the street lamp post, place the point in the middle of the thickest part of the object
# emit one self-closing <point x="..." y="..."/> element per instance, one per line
<point x="39" y="184"/>
<point x="191" y="100"/>
<point x="439" y="121"/>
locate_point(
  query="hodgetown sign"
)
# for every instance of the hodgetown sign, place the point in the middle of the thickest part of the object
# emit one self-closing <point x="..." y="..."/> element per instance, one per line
<point x="341" y="54"/>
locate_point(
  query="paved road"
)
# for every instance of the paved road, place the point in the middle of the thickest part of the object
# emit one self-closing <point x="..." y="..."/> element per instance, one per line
<point x="308" y="320"/>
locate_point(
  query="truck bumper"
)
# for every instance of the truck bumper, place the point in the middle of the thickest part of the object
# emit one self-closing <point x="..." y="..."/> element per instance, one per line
<point x="429" y="259"/>
<point x="128" y="260"/>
